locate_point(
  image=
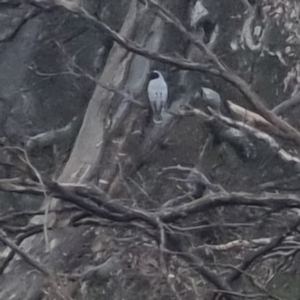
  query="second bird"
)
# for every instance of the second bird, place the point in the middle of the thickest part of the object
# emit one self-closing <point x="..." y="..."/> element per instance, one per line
<point x="157" y="94"/>
<point x="211" y="98"/>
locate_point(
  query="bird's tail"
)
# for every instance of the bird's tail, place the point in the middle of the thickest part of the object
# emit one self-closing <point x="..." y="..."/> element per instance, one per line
<point x="157" y="115"/>
<point x="157" y="119"/>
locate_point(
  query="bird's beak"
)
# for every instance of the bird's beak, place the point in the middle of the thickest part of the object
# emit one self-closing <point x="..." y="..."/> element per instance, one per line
<point x="201" y="92"/>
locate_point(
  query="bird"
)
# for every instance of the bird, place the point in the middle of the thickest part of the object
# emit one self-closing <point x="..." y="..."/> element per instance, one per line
<point x="211" y="98"/>
<point x="157" y="94"/>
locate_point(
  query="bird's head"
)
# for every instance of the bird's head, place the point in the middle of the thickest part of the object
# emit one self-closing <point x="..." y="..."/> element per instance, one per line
<point x="207" y="93"/>
<point x="154" y="75"/>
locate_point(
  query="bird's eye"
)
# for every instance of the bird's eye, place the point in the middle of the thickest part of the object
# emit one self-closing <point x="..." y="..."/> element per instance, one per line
<point x="154" y="75"/>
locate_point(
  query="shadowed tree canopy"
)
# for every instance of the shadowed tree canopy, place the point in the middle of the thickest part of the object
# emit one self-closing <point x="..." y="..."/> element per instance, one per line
<point x="98" y="201"/>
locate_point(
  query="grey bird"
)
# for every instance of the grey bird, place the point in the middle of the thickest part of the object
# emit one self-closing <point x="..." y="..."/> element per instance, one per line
<point x="211" y="98"/>
<point x="157" y="94"/>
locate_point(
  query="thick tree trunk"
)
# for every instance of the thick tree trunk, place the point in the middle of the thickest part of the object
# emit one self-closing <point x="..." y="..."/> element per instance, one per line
<point x="85" y="157"/>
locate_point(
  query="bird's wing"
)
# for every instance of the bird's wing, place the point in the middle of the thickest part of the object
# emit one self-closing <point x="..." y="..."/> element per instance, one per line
<point x="164" y="94"/>
<point x="153" y="96"/>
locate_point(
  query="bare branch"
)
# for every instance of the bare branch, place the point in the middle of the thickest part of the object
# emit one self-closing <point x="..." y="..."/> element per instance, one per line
<point x="31" y="261"/>
<point x="77" y="194"/>
<point x="19" y="22"/>
<point x="262" y="251"/>
<point x="240" y="295"/>
<point x="19" y="240"/>
<point x="26" y="213"/>
<point x="262" y="136"/>
<point x="230" y="199"/>
<point x="253" y="280"/>
<point x="287" y="105"/>
<point x="40" y="180"/>
<point x="169" y="17"/>
<point x="206" y="273"/>
<point x="255" y="243"/>
<point x="103" y="271"/>
<point x="73" y="67"/>
<point x="55" y="136"/>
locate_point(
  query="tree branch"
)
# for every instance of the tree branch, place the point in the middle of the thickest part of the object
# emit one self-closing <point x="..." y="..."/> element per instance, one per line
<point x="287" y="105"/>
<point x="264" y="250"/>
<point x="31" y="261"/>
<point x="19" y="240"/>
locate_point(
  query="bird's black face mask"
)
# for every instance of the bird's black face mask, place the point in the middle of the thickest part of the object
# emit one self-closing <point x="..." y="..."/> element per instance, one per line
<point x="153" y="75"/>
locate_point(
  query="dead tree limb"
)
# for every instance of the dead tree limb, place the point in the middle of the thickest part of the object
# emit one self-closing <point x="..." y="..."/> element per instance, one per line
<point x="103" y="271"/>
<point x="77" y="194"/>
<point x="66" y="133"/>
<point x="230" y="199"/>
<point x="234" y="132"/>
<point x="19" y="239"/>
<point x="287" y="105"/>
<point x="262" y="251"/>
<point x="31" y="261"/>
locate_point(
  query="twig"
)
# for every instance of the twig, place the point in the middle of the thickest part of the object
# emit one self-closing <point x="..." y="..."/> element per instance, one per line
<point x="31" y="261"/>
<point x="54" y="136"/>
<point x="264" y="250"/>
<point x="103" y="271"/>
<point x="252" y="279"/>
<point x="206" y="273"/>
<point x="287" y="105"/>
<point x="170" y="18"/>
<point x="240" y="243"/>
<point x="204" y="150"/>
<point x="12" y="216"/>
<point x="230" y="199"/>
<point x="40" y="180"/>
<point x="241" y="295"/>
<point x="127" y="96"/>
<point x="19" y="240"/>
<point x="214" y="225"/>
<point x="162" y="246"/>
